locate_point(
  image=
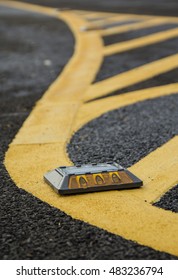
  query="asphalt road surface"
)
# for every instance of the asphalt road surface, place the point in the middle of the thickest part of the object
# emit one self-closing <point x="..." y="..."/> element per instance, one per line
<point x="34" y="48"/>
<point x="159" y="7"/>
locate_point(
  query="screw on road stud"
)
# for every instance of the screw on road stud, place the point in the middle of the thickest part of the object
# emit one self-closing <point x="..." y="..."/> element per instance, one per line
<point x="91" y="178"/>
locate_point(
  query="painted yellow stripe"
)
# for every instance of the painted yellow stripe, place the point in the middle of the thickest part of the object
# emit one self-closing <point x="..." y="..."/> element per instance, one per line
<point x="159" y="171"/>
<point x="145" y="17"/>
<point x="140" y="42"/>
<point x="112" y="19"/>
<point x="106" y="18"/>
<point x="92" y="15"/>
<point x="98" y="24"/>
<point x="132" y="77"/>
<point x="96" y="108"/>
<point x="114" y="211"/>
<point x="133" y="26"/>
<point x="99" y="17"/>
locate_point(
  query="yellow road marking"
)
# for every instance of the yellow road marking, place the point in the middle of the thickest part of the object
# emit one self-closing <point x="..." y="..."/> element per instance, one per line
<point x="160" y="180"/>
<point x="132" y="77"/>
<point x="97" y="14"/>
<point x="27" y="161"/>
<point x="133" y="26"/>
<point x="140" y="42"/>
<point x="94" y="109"/>
<point x="107" y="18"/>
<point x="89" y="15"/>
<point x="112" y="19"/>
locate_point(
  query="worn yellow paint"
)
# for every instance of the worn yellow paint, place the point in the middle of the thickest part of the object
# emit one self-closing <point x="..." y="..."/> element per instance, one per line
<point x="108" y="18"/>
<point x="145" y="17"/>
<point x="126" y="213"/>
<point x="132" y="26"/>
<point x="131" y="77"/>
<point x="99" y="24"/>
<point x="140" y="42"/>
<point x="89" y="15"/>
<point x="92" y="15"/>
<point x="111" y="19"/>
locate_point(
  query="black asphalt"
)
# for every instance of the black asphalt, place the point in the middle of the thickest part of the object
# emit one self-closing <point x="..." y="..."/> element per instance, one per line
<point x="148" y="7"/>
<point x="33" y="51"/>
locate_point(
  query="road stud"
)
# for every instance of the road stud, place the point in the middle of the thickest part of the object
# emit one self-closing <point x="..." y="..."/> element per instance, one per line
<point x="91" y="178"/>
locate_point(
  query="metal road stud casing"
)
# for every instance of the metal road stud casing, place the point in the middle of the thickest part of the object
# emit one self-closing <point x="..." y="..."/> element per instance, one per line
<point x="91" y="178"/>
